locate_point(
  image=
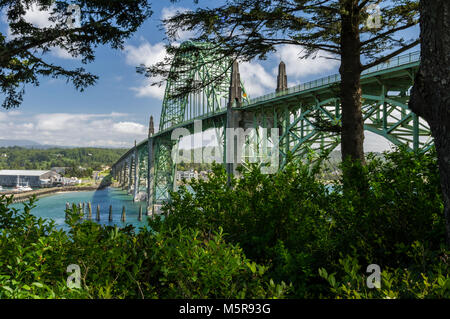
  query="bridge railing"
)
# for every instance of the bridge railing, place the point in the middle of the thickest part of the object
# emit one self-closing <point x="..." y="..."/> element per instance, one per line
<point x="392" y="63"/>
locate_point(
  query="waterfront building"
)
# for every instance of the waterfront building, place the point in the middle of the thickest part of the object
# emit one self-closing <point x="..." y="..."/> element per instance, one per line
<point x="32" y="178"/>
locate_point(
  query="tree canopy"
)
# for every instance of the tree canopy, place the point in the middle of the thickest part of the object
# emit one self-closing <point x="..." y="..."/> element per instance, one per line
<point x="350" y="30"/>
<point x="249" y="29"/>
<point x="77" y="27"/>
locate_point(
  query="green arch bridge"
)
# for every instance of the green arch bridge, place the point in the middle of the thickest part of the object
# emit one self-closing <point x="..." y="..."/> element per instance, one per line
<point x="301" y="121"/>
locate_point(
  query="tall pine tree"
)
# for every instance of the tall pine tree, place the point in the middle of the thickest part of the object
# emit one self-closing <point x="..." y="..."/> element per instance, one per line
<point x="430" y="97"/>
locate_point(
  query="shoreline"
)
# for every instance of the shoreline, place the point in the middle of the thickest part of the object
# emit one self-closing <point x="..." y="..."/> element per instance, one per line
<point x="24" y="196"/>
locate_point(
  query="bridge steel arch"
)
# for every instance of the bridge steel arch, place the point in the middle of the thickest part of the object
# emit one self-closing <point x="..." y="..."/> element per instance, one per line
<point x="307" y="117"/>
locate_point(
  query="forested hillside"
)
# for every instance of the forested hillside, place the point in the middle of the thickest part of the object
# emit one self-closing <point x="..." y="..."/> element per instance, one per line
<point x="22" y="158"/>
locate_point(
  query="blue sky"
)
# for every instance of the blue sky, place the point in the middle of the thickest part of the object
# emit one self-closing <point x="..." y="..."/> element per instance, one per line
<point x="115" y="111"/>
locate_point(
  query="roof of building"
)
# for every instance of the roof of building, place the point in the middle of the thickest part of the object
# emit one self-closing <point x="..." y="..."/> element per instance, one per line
<point x="7" y="172"/>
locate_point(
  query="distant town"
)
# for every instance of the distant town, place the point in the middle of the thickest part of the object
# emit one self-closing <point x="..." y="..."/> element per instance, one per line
<point x="27" y="180"/>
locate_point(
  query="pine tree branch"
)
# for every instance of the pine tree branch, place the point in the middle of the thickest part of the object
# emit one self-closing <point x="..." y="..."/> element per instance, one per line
<point x="391" y="55"/>
<point x="50" y="36"/>
<point x="384" y="34"/>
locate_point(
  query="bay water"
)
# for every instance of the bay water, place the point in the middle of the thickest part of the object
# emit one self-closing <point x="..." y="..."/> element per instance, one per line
<point x="53" y="207"/>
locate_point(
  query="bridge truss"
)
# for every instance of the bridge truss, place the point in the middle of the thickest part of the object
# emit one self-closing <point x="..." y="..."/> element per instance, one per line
<point x="307" y="117"/>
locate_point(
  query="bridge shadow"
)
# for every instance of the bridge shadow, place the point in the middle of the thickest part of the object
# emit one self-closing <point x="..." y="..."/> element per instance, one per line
<point x="106" y="196"/>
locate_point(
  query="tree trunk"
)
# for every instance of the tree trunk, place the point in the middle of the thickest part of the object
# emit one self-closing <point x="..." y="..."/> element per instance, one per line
<point x="352" y="136"/>
<point x="430" y="97"/>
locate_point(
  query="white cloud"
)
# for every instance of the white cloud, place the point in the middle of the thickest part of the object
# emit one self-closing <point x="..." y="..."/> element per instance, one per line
<point x="27" y="126"/>
<point x="14" y="113"/>
<point x="169" y="12"/>
<point x="257" y="81"/>
<point x="60" y="121"/>
<point x="297" y="68"/>
<point x="117" y="114"/>
<point x="39" y="18"/>
<point x="149" y="90"/>
<point x="147" y="54"/>
<point x="63" y="54"/>
<point x="129" y="128"/>
<point x="5" y="115"/>
<point x="110" y="130"/>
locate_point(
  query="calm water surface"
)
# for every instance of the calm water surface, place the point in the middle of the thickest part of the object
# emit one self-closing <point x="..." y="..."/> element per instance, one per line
<point x="52" y="207"/>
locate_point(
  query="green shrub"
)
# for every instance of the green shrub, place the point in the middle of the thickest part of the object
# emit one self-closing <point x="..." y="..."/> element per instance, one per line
<point x="296" y="224"/>
<point x="184" y="264"/>
<point x="433" y="282"/>
<point x="120" y="263"/>
<point x="221" y="242"/>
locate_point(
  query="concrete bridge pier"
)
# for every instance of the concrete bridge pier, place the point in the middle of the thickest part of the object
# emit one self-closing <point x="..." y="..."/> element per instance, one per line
<point x="245" y="120"/>
<point x="125" y="175"/>
<point x="150" y="168"/>
<point x="233" y="120"/>
<point x="283" y="123"/>
<point x="136" y="173"/>
<point x="130" y="174"/>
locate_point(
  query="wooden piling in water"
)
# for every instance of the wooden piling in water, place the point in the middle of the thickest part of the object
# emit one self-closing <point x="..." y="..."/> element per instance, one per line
<point x="90" y="210"/>
<point x="124" y="214"/>
<point x="140" y="213"/>
<point x="110" y="213"/>
<point x="98" y="213"/>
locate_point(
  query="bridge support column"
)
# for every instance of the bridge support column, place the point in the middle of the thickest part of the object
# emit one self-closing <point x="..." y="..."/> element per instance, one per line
<point x="120" y="175"/>
<point x="124" y="175"/>
<point x="233" y="119"/>
<point x="150" y="178"/>
<point x="150" y="165"/>
<point x="130" y="174"/>
<point x="136" y="173"/>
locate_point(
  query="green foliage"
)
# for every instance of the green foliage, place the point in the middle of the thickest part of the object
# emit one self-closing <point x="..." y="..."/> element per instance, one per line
<point x="22" y="55"/>
<point x="296" y="225"/>
<point x="120" y="263"/>
<point x="80" y="162"/>
<point x="434" y="282"/>
<point x="188" y="265"/>
<point x="249" y="240"/>
<point x="253" y="29"/>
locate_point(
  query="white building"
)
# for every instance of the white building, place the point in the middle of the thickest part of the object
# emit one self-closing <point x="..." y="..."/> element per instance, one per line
<point x="32" y="178"/>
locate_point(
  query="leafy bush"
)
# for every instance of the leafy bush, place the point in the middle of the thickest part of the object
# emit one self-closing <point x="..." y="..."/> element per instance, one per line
<point x="434" y="282"/>
<point x="250" y="239"/>
<point x="184" y="264"/>
<point x="297" y="225"/>
<point x="120" y="263"/>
